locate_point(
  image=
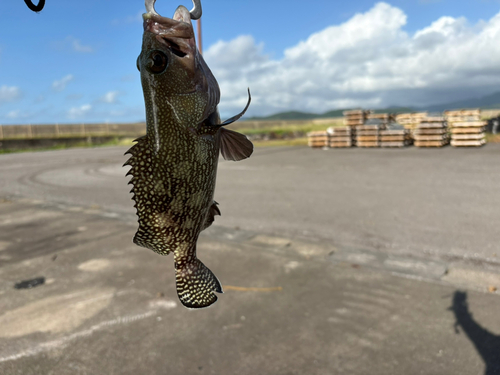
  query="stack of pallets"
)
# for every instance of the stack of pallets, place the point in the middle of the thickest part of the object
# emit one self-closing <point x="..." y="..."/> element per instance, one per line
<point x="467" y="129"/>
<point x="341" y="137"/>
<point x="318" y="139"/>
<point x="385" y="118"/>
<point x="395" y="136"/>
<point x="410" y="120"/>
<point x="355" y="117"/>
<point x="431" y="132"/>
<point x="368" y="135"/>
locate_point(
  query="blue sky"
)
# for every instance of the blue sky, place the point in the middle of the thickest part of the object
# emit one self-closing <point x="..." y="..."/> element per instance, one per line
<point x="75" y="61"/>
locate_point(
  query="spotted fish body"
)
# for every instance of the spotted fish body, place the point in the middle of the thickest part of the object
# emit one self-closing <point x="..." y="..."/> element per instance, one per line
<point x="174" y="165"/>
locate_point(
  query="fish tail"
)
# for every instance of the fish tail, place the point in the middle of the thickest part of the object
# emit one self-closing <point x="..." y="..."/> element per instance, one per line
<point x="196" y="284"/>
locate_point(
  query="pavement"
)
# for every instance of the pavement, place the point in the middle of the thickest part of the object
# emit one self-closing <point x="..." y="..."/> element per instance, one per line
<point x="332" y="262"/>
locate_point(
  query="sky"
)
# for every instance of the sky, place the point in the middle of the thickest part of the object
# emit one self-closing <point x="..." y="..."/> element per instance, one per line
<point x="75" y="62"/>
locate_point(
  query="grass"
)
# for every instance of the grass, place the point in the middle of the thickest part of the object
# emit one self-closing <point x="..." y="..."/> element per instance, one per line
<point x="493" y="138"/>
<point x="281" y="142"/>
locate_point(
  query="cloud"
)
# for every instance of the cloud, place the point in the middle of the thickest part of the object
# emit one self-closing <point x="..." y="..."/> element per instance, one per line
<point x="110" y="97"/>
<point x="368" y="61"/>
<point x="74" y="44"/>
<point x="9" y="93"/>
<point x="15" y="114"/>
<point x="137" y="18"/>
<point x="77" y="112"/>
<point x="60" y="85"/>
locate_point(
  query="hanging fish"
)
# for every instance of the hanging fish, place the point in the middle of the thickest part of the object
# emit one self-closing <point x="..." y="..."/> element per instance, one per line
<point x="174" y="165"/>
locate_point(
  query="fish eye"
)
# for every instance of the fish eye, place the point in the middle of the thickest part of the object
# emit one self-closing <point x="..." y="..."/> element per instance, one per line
<point x="137" y="63"/>
<point x="157" y="62"/>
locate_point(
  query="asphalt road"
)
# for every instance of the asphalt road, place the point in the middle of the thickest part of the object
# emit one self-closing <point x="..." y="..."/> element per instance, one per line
<point x="332" y="262"/>
<point x="424" y="202"/>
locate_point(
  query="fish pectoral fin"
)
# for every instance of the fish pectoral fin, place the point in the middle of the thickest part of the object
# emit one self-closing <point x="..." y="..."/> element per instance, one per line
<point x="196" y="284"/>
<point x="212" y="212"/>
<point x="234" y="146"/>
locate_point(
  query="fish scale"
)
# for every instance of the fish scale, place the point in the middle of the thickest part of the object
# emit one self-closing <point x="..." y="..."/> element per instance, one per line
<point x="174" y="166"/>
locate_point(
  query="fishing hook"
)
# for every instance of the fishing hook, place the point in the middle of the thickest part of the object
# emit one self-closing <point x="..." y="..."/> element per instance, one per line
<point x="196" y="11"/>
<point x="36" y="8"/>
<point x="150" y="8"/>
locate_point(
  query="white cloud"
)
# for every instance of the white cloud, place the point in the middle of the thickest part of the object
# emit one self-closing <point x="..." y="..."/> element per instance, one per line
<point x="14" y="114"/>
<point x="76" y="112"/>
<point x="79" y="47"/>
<point x="73" y="43"/>
<point x="9" y="93"/>
<point x="368" y="61"/>
<point x="110" y="97"/>
<point x="60" y="85"/>
<point x="137" y="18"/>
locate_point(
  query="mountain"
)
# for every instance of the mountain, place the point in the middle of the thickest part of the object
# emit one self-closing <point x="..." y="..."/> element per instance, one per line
<point x="486" y="102"/>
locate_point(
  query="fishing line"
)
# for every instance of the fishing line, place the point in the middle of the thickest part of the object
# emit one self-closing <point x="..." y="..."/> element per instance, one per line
<point x="33" y="7"/>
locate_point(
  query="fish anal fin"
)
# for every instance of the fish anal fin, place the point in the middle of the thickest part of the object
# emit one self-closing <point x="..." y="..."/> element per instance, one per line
<point x="234" y="146"/>
<point x="212" y="212"/>
<point x="195" y="283"/>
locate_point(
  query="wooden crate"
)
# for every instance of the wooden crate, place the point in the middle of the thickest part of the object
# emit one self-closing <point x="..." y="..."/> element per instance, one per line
<point x="395" y="144"/>
<point x="463" y="112"/>
<point x="468" y="136"/>
<point x="367" y="144"/>
<point x="425" y="138"/>
<point x="345" y="130"/>
<point x="393" y="138"/>
<point x="367" y="138"/>
<point x="469" y="124"/>
<point x="318" y="139"/>
<point x="431" y="131"/>
<point x="470" y="143"/>
<point x="430" y="143"/>
<point x="335" y="144"/>
<point x="431" y="125"/>
<point x="340" y="138"/>
<point x="461" y="130"/>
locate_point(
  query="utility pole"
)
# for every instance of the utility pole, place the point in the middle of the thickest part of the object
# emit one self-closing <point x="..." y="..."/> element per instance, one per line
<point x="198" y="26"/>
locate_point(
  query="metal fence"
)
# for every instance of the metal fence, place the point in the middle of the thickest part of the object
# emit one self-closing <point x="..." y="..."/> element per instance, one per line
<point x="70" y="130"/>
<point x="133" y="130"/>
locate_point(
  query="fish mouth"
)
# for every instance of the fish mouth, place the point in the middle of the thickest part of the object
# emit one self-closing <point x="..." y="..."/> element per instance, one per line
<point x="175" y="33"/>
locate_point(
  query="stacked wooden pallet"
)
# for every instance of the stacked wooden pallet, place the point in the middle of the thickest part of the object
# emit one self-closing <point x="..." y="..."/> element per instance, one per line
<point x="467" y="129"/>
<point x="318" y="139"/>
<point x="431" y="132"/>
<point x="341" y="137"/>
<point x="355" y="117"/>
<point x="385" y="118"/>
<point x="410" y="120"/>
<point x="395" y="136"/>
<point x="368" y="135"/>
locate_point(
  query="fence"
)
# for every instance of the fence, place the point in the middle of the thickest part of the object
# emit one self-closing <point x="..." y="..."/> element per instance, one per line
<point x="133" y="130"/>
<point x="70" y="130"/>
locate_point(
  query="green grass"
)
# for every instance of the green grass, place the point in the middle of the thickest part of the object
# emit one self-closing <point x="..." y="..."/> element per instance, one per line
<point x="83" y="144"/>
<point x="493" y="138"/>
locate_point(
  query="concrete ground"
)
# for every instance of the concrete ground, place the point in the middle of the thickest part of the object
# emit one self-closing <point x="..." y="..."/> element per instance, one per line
<point x="341" y="261"/>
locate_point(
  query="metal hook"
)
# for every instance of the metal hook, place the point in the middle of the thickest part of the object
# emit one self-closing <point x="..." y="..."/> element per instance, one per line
<point x="196" y="11"/>
<point x="150" y="8"/>
<point x="33" y="7"/>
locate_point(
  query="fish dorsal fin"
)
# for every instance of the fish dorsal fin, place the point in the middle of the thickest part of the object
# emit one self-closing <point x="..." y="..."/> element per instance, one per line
<point x="238" y="116"/>
<point x="234" y="146"/>
<point x="212" y="212"/>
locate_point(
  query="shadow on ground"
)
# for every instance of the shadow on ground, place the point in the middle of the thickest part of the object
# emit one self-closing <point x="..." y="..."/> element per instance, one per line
<point x="486" y="343"/>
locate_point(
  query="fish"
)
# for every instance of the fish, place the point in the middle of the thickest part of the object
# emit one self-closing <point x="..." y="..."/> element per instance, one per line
<point x="174" y="165"/>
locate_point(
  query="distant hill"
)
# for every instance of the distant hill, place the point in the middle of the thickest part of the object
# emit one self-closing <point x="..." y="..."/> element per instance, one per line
<point x="486" y="102"/>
